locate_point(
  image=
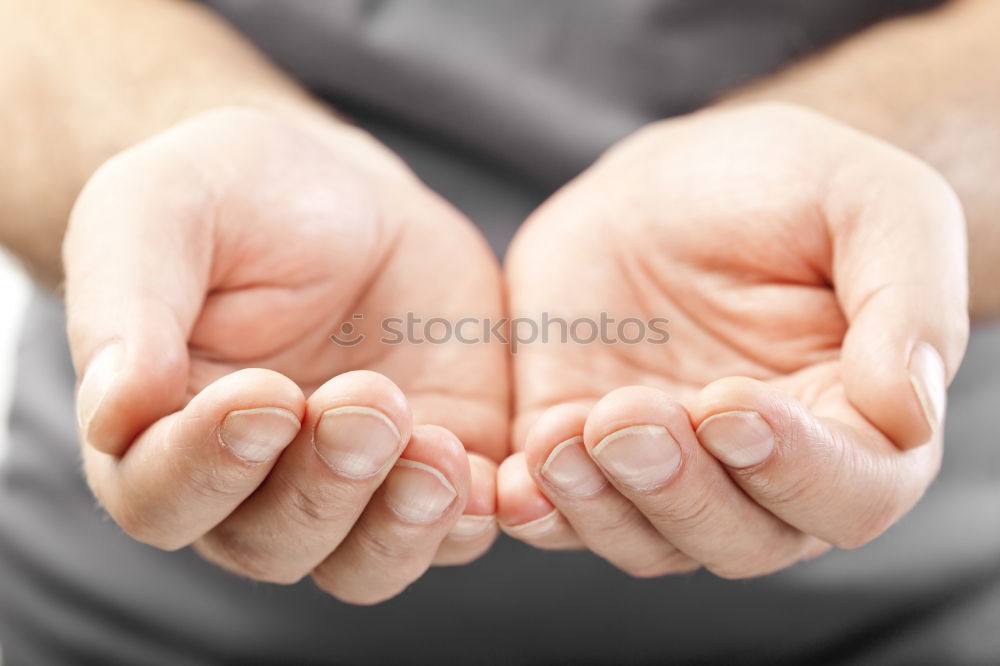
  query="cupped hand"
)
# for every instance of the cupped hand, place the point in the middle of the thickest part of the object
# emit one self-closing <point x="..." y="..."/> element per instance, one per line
<point x="814" y="279"/>
<point x="206" y="270"/>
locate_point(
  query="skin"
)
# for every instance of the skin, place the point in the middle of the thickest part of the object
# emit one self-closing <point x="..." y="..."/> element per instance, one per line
<point x="926" y="83"/>
<point x="213" y="321"/>
<point x="120" y="75"/>
<point x="813" y="329"/>
<point x="239" y="243"/>
<point x="785" y="309"/>
<point x="229" y="225"/>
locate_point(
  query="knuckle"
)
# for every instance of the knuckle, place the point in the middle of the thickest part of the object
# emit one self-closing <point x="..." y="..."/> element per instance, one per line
<point x="852" y="540"/>
<point x="138" y="525"/>
<point x="814" y="549"/>
<point x="452" y="554"/>
<point x="654" y="570"/>
<point x="331" y="585"/>
<point x="868" y="528"/>
<point x="889" y="498"/>
<point x="673" y="563"/>
<point x="367" y="598"/>
<point x="133" y="526"/>
<point x="377" y="567"/>
<point x="618" y="520"/>
<point x="356" y="586"/>
<point x="684" y="516"/>
<point x="384" y="547"/>
<point x="787" y="490"/>
<point x="274" y="576"/>
<point x="242" y="558"/>
<point x="749" y="568"/>
<point x="823" y="454"/>
<point x="214" y="482"/>
<point x="125" y="517"/>
<point x="737" y="572"/>
<point x="318" y="506"/>
<point x="556" y="536"/>
<point x="762" y="558"/>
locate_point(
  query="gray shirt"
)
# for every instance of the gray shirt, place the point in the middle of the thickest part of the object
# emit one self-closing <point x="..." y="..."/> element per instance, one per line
<point x="495" y="105"/>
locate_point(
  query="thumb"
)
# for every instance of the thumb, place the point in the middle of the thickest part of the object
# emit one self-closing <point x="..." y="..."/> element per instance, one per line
<point x="900" y="271"/>
<point x="136" y="271"/>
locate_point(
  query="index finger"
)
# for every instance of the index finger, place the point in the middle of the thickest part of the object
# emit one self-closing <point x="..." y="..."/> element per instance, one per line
<point x="827" y="472"/>
<point x="189" y="470"/>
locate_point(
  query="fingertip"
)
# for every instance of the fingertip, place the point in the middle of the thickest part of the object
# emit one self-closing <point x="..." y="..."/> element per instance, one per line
<point x="256" y="414"/>
<point x="737" y="418"/>
<point x="929" y="381"/>
<point x="190" y="469"/>
<point x="258" y="434"/>
<point x="519" y="500"/>
<point x="440" y="449"/>
<point x="473" y="527"/>
<point x="469" y="539"/>
<point x="97" y="382"/>
<point x="631" y="406"/>
<point x="730" y="394"/>
<point x="555" y="425"/>
<point x="476" y="529"/>
<point x="124" y="388"/>
<point x="898" y="385"/>
<point x="252" y="388"/>
<point x="482" y="486"/>
<point x="429" y="483"/>
<point x="522" y="424"/>
<point x="364" y="389"/>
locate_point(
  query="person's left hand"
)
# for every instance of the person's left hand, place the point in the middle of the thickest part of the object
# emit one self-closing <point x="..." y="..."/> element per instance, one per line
<point x="814" y="279"/>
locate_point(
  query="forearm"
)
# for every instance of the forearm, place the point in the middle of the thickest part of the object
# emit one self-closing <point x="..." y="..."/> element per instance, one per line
<point x="929" y="83"/>
<point x="84" y="80"/>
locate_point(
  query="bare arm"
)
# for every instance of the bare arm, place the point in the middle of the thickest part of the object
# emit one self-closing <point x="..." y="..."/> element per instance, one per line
<point x="231" y="225"/>
<point x="930" y="84"/>
<point x="83" y="81"/>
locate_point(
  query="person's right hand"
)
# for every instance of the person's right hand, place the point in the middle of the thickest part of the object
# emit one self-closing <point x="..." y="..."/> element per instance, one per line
<point x="206" y="270"/>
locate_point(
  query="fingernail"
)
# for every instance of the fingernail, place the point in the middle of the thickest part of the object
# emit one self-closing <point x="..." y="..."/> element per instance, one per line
<point x="417" y="493"/>
<point x="356" y="442"/>
<point x="571" y="470"/>
<point x="640" y="457"/>
<point x="737" y="439"/>
<point x="97" y="379"/>
<point x="258" y="435"/>
<point x="927" y="375"/>
<point x="472" y="527"/>
<point x="534" y="529"/>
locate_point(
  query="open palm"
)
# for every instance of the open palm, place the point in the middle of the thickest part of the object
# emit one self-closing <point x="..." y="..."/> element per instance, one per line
<point x="803" y="368"/>
<point x="207" y="270"/>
